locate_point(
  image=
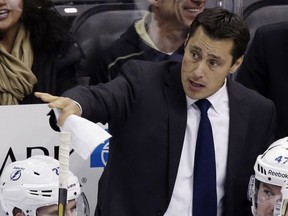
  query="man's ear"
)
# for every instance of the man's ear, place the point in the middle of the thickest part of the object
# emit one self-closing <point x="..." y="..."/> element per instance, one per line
<point x="237" y="64"/>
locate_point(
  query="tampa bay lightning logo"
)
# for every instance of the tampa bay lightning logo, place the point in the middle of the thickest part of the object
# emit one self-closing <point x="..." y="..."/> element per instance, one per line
<point x="15" y="175"/>
<point x="56" y="170"/>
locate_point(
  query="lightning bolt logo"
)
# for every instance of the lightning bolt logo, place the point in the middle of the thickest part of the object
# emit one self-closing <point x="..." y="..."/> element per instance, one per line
<point x="15" y="175"/>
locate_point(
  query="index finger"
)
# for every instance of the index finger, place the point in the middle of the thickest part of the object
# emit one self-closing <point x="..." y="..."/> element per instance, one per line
<point x="46" y="97"/>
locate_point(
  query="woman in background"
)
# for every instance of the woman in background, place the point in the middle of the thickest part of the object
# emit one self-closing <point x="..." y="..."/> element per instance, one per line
<point x="37" y="51"/>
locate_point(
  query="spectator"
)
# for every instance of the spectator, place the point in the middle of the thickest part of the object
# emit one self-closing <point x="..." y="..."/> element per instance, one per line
<point x="153" y="118"/>
<point x="265" y="69"/>
<point x="270" y="177"/>
<point x="37" y="51"/>
<point x="159" y="36"/>
<point x="30" y="187"/>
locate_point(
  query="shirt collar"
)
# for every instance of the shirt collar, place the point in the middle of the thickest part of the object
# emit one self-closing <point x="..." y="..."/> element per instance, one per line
<point x="216" y="99"/>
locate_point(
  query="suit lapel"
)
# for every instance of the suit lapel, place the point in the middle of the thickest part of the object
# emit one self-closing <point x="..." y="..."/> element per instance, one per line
<point x="237" y="126"/>
<point x="237" y="135"/>
<point x="176" y="102"/>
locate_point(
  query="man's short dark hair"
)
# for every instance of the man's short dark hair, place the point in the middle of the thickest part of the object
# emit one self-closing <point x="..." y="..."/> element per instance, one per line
<point x="219" y="23"/>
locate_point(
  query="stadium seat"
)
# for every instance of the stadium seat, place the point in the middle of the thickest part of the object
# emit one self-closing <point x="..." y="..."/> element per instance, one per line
<point x="72" y="8"/>
<point x="97" y="27"/>
<point x="265" y="12"/>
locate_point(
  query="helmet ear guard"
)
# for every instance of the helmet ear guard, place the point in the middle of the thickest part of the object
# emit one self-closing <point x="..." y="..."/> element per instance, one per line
<point x="83" y="202"/>
<point x="251" y="188"/>
<point x="252" y="194"/>
<point x="33" y="183"/>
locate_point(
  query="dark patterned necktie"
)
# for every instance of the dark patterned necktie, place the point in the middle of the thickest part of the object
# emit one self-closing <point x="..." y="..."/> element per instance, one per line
<point x="204" y="187"/>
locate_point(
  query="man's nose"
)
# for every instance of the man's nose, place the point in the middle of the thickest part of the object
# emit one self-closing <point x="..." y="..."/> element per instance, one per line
<point x="199" y="71"/>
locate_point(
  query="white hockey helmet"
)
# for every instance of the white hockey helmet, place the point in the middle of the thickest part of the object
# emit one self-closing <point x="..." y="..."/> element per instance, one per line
<point x="33" y="183"/>
<point x="271" y="167"/>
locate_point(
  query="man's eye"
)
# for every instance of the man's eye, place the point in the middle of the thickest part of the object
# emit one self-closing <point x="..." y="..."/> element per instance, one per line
<point x="214" y="63"/>
<point x="194" y="55"/>
<point x="268" y="194"/>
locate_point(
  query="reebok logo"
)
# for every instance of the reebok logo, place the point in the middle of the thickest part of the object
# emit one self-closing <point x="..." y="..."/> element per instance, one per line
<point x="278" y="174"/>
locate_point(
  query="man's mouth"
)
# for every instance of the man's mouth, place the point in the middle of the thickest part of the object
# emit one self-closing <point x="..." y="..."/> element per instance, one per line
<point x="196" y="85"/>
<point x="192" y="9"/>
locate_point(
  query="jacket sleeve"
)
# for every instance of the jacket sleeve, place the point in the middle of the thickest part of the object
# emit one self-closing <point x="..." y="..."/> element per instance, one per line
<point x="111" y="102"/>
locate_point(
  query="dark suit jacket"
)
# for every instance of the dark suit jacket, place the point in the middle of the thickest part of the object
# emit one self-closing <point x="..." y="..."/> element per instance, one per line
<point x="265" y="69"/>
<point x="146" y="111"/>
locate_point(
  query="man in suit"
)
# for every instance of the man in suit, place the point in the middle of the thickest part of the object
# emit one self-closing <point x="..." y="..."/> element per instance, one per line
<point x="154" y="122"/>
<point x="265" y="69"/>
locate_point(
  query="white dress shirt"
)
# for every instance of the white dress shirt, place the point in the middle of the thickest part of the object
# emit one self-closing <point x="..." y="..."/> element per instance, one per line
<point x="182" y="197"/>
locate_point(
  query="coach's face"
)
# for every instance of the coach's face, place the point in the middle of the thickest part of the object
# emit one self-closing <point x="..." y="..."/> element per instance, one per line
<point x="206" y="64"/>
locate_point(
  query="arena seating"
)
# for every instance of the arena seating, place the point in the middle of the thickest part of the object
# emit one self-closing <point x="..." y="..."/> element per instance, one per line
<point x="100" y="25"/>
<point x="265" y="12"/>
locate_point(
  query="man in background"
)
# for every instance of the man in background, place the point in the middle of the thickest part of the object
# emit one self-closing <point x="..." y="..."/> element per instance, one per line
<point x="158" y="36"/>
<point x="264" y="69"/>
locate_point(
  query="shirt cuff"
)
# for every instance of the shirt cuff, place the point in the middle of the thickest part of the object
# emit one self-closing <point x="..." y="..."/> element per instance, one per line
<point x="78" y="106"/>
